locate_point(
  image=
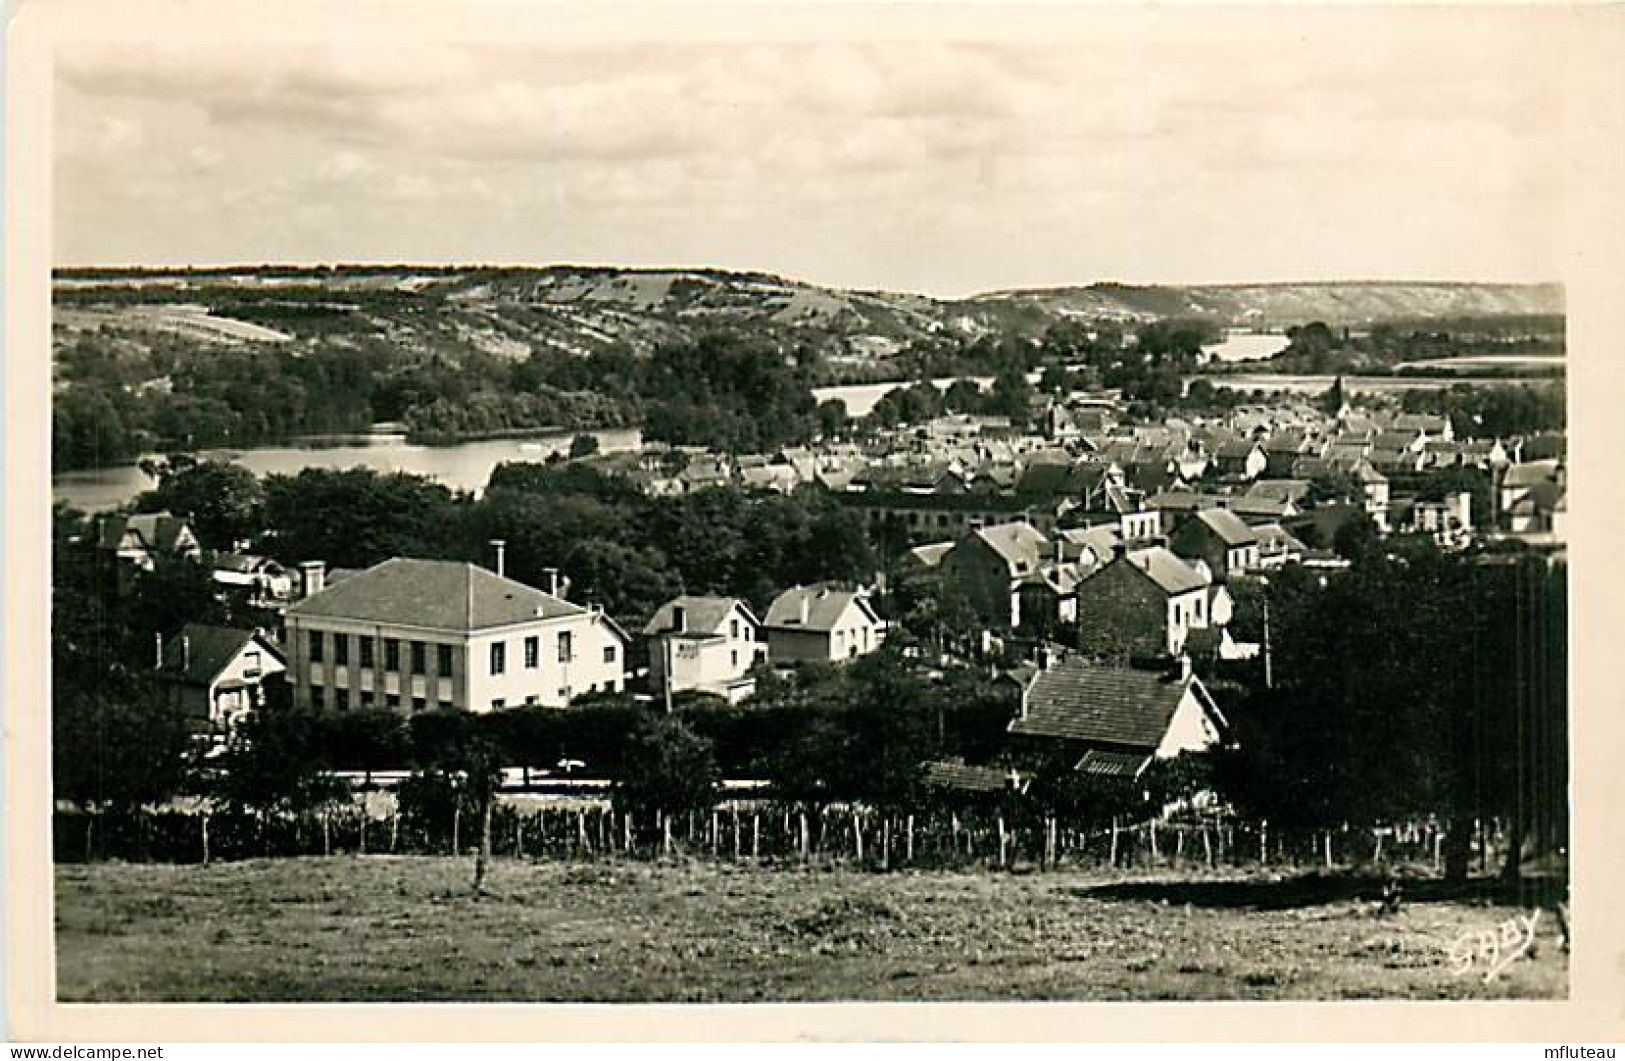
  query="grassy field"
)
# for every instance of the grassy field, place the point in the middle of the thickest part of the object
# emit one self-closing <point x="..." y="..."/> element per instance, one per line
<point x="407" y="929"/>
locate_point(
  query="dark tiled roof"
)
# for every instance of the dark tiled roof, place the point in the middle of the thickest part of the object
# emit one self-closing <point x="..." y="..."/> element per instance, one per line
<point x="441" y="594"/>
<point x="1171" y="574"/>
<point x="701" y="614"/>
<point x="1078" y="701"/>
<point x="1280" y="489"/>
<point x="965" y="778"/>
<point x="199" y="652"/>
<point x="160" y="532"/>
<point x="1229" y="527"/>
<point x="1020" y="545"/>
<point x="824" y="604"/>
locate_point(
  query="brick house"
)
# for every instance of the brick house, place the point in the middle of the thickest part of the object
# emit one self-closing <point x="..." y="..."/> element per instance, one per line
<point x="1142" y="604"/>
<point x="1219" y="538"/>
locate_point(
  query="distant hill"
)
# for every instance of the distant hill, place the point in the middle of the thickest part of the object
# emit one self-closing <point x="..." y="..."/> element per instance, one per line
<point x="1285" y="304"/>
<point x="510" y="312"/>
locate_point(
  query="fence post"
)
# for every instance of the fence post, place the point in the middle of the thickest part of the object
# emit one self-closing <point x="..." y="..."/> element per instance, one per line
<point x="910" y="840"/>
<point x="1114" y="843"/>
<point x="456" y="829"/>
<point x="394" y="827"/>
<point x="327" y="837"/>
<point x="1004" y="840"/>
<point x="734" y="814"/>
<point x="665" y="833"/>
<point x="1264" y="843"/>
<point x="363" y="844"/>
<point x="755" y="836"/>
<point x="806" y="852"/>
<point x="713" y="832"/>
<point x="583" y="843"/>
<point x="857" y="834"/>
<point x="885" y="841"/>
<point x="1207" y="847"/>
<point x="1438" y="848"/>
<point x="1153" y="830"/>
<point x="205" y="830"/>
<point x="1376" y="856"/>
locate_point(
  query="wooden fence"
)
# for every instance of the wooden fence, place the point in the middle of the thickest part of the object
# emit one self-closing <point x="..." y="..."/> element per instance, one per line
<point x="766" y="833"/>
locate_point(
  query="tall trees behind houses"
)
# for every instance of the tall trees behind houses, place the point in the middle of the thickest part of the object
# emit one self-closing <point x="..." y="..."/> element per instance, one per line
<point x="1465" y="718"/>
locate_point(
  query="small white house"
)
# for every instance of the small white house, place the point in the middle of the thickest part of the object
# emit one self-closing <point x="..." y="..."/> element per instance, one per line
<point x="704" y="644"/>
<point x="216" y="675"/>
<point x="822" y="623"/>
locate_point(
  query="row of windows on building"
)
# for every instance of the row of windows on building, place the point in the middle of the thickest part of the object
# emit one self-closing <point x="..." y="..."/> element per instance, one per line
<point x="365" y="699"/>
<point x="417" y="653"/>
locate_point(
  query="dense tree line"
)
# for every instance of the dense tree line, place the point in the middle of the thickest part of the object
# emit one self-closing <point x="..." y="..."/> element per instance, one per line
<point x="621" y="549"/>
<point x="1493" y="412"/>
<point x="1464" y="719"/>
<point x="119" y="398"/>
<point x="1318" y="349"/>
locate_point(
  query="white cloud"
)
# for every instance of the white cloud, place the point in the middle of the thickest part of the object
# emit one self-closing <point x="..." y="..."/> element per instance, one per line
<point x="921" y="164"/>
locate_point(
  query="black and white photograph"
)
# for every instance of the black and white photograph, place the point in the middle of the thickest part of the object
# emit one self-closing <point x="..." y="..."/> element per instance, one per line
<point x="735" y="505"/>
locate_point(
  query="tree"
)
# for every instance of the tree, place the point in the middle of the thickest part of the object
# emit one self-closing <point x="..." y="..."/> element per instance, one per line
<point x="1333" y="400"/>
<point x="832" y="419"/>
<point x="462" y="753"/>
<point x="1012" y="396"/>
<point x="359" y="517"/>
<point x="276" y="764"/>
<point x="963" y="396"/>
<point x="222" y="501"/>
<point x="666" y="768"/>
<point x="583" y="446"/>
<point x="116" y="742"/>
<point x="1357" y="538"/>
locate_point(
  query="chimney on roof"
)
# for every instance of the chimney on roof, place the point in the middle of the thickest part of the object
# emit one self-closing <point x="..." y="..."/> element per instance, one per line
<point x="314" y="573"/>
<point x="551" y="574"/>
<point x="1060" y="549"/>
<point x="679" y="618"/>
<point x="501" y="548"/>
<point x="1120" y="548"/>
<point x="1183" y="665"/>
<point x="804" y="611"/>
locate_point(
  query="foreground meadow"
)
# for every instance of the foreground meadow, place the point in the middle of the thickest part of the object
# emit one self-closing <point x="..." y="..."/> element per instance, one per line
<point x="381" y="928"/>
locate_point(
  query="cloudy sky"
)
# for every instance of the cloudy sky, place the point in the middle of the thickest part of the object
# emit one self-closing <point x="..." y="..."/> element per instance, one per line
<point x="1175" y="146"/>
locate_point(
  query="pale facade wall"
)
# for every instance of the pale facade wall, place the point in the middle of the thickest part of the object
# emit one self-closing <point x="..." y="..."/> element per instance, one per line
<point x="710" y="664"/>
<point x="554" y="680"/>
<point x="1191" y="729"/>
<point x="459" y="678"/>
<point x="250" y="667"/>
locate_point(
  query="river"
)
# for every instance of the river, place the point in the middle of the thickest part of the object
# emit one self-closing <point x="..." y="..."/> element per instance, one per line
<point x="861" y="398"/>
<point x="464" y="466"/>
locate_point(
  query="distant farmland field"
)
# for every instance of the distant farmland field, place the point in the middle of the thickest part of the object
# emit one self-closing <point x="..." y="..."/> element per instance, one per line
<point x="407" y="929"/>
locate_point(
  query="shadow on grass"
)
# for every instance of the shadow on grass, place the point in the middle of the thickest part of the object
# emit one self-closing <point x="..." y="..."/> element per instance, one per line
<point x="1315" y="889"/>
